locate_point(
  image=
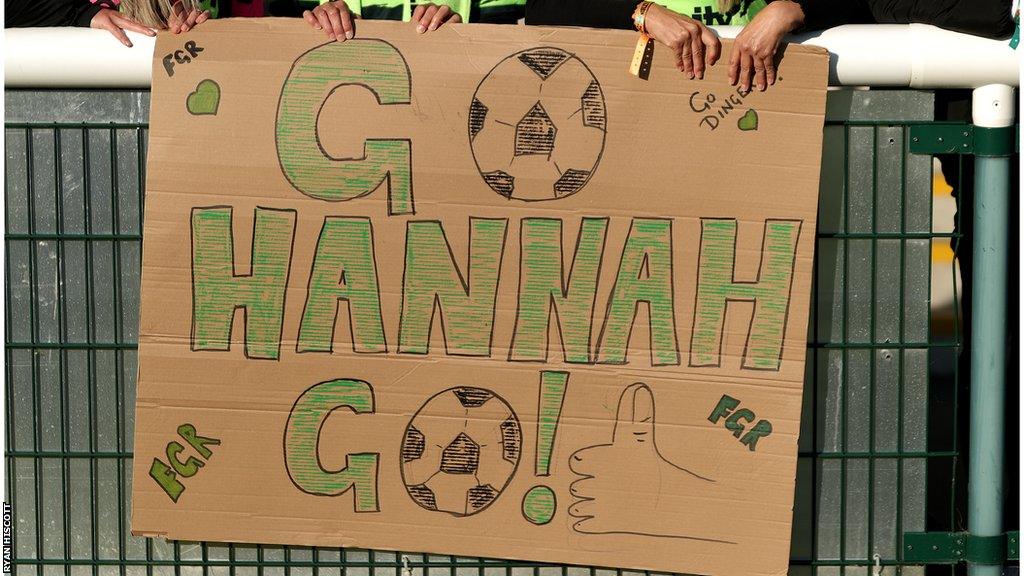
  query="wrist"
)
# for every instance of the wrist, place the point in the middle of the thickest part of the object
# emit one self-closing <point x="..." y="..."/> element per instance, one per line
<point x="87" y="14"/>
<point x="792" y="12"/>
<point x="639" y="16"/>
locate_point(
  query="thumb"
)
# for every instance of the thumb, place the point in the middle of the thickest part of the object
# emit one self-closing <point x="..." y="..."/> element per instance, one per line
<point x="634" y="421"/>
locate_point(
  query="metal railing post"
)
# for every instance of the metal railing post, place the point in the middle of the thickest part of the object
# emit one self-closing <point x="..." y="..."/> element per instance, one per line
<point x="993" y="107"/>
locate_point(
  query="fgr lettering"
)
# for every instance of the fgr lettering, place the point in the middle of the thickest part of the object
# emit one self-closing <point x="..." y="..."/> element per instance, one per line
<point x="184" y="56"/>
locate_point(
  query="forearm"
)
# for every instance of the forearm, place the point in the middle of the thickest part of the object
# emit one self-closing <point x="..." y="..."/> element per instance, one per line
<point x="591" y="13"/>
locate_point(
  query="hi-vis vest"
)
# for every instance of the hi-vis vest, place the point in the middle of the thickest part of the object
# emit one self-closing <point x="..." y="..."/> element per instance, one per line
<point x="706" y="11"/>
<point x="508" y="11"/>
<point x="470" y="10"/>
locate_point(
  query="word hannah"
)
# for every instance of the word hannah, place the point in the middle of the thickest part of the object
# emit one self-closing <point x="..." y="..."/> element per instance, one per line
<point x="460" y="299"/>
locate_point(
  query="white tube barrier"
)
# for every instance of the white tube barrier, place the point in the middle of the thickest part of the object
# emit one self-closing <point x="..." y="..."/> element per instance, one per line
<point x="914" y="56"/>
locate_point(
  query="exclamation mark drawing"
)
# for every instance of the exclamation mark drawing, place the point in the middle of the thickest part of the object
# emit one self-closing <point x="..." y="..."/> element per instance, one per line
<point x="539" y="503"/>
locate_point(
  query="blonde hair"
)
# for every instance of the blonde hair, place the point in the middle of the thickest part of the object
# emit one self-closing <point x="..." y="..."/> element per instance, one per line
<point x="154" y="13"/>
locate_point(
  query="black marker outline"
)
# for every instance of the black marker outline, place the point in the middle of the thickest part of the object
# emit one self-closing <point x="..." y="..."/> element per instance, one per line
<point x="338" y="301"/>
<point x="636" y="304"/>
<point x="729" y="300"/>
<point x="319" y="143"/>
<point x="604" y="132"/>
<point x="511" y="475"/>
<point x="319" y="462"/>
<point x="564" y="281"/>
<point x="465" y="280"/>
<point x="245" y="310"/>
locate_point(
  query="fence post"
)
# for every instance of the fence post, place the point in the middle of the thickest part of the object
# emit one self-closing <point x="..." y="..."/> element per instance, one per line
<point x="993" y="108"/>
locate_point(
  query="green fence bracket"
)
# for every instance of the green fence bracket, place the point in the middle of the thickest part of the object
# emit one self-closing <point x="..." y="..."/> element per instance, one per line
<point x="956" y="547"/>
<point x="962" y="138"/>
<point x="995" y="141"/>
<point x="942" y="139"/>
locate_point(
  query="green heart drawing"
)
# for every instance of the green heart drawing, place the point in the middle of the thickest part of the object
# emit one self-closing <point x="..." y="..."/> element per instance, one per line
<point x="205" y="99"/>
<point x="748" y="121"/>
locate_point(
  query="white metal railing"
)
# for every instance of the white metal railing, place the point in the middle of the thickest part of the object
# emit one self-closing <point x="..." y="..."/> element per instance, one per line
<point x="896" y="55"/>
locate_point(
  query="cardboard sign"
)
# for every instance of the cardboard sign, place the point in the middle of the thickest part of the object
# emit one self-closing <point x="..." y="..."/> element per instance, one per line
<point x="477" y="292"/>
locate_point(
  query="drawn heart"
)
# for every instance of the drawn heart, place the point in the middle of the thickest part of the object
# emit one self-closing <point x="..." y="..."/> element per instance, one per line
<point x="205" y="98"/>
<point x="748" y="121"/>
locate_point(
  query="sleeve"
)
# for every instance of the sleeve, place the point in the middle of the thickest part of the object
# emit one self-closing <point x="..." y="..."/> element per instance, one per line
<point x="822" y="14"/>
<point x="85" y="12"/>
<point x="591" y="13"/>
<point x="988" y="18"/>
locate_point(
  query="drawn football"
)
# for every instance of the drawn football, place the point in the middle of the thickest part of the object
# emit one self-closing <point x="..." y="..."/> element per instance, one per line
<point x="460" y="450"/>
<point x="537" y="125"/>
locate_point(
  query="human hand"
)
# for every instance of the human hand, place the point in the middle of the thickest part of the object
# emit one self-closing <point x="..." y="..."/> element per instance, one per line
<point x="431" y="16"/>
<point x="114" y="22"/>
<point x="753" y="52"/>
<point x="334" y="18"/>
<point x="182" y="20"/>
<point x="696" y="47"/>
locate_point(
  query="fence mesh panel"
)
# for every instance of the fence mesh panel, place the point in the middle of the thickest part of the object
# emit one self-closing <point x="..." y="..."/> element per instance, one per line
<point x="878" y="449"/>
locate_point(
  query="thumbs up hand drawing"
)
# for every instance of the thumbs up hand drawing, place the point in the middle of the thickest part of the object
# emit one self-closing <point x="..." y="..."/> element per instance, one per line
<point x="628" y="487"/>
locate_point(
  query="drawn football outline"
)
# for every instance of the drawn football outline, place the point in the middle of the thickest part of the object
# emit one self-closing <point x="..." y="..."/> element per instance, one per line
<point x="460" y="450"/>
<point x="537" y="125"/>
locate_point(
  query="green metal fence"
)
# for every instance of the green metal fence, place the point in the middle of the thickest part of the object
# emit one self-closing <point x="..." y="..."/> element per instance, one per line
<point x="879" y="450"/>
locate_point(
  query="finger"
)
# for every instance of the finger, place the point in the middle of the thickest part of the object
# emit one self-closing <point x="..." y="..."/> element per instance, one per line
<point x="697" y="47"/>
<point x="686" y="60"/>
<point x="190" y="20"/>
<point x="746" y="71"/>
<point x="118" y="33"/>
<point x="346" y="23"/>
<point x="177" y="17"/>
<point x="417" y="14"/>
<point x="634" y="421"/>
<point x="713" y="46"/>
<point x="734" y="65"/>
<point x="325" y="22"/>
<point x="760" y="78"/>
<point x="311" y="19"/>
<point x="428" y="15"/>
<point x="455" y="19"/>
<point x="442" y="14"/>
<point x="203" y="17"/>
<point x="132" y="25"/>
<point x="769" y="70"/>
<point x="337" y="30"/>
